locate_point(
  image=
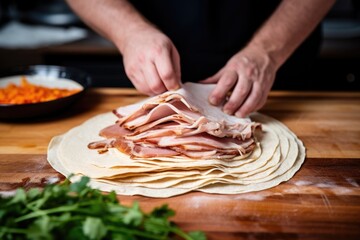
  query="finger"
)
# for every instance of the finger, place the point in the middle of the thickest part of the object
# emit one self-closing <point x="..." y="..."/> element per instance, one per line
<point x="238" y="95"/>
<point x="252" y="102"/>
<point x="176" y="63"/>
<point x="167" y="70"/>
<point x="262" y="101"/>
<point x="224" y="85"/>
<point x="213" y="79"/>
<point x="153" y="79"/>
<point x="265" y="92"/>
<point x="134" y="73"/>
<point x="140" y="83"/>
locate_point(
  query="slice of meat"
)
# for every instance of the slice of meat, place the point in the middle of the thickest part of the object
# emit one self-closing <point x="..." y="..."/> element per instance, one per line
<point x="180" y="123"/>
<point x="106" y="143"/>
<point x="143" y="151"/>
<point x="206" y="140"/>
<point x="176" y="108"/>
<point x="114" y="131"/>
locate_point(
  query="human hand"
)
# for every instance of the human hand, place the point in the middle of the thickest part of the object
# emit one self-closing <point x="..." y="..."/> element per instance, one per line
<point x="249" y="75"/>
<point x="151" y="60"/>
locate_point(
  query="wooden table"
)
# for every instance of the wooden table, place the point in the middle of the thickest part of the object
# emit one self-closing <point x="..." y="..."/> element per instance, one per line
<point x="322" y="201"/>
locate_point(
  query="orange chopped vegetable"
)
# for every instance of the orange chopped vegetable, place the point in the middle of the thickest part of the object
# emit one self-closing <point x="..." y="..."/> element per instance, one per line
<point x="31" y="93"/>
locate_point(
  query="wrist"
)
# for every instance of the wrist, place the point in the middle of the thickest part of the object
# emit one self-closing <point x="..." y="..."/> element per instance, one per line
<point x="121" y="37"/>
<point x="274" y="52"/>
<point x="268" y="56"/>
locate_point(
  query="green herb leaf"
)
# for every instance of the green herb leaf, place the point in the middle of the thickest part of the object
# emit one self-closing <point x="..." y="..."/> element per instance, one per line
<point x="133" y="216"/>
<point x="94" y="228"/>
<point x="19" y="197"/>
<point x="163" y="212"/>
<point x="197" y="235"/>
<point x="76" y="211"/>
<point x="80" y="186"/>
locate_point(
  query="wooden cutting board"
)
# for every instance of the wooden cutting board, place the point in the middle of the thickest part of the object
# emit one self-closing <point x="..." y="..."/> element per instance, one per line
<point x="322" y="201"/>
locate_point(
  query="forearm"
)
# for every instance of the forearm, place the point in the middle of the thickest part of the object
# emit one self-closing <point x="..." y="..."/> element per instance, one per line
<point x="288" y="27"/>
<point x="113" y="19"/>
<point x="150" y="59"/>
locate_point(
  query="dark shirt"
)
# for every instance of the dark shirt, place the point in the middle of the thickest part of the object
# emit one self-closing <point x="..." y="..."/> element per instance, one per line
<point x="207" y="33"/>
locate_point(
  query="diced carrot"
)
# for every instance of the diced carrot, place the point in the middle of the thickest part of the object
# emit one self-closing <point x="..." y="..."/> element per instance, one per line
<point x="27" y="92"/>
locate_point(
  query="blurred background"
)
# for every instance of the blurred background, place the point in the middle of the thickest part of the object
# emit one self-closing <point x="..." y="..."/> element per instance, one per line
<point x="48" y="32"/>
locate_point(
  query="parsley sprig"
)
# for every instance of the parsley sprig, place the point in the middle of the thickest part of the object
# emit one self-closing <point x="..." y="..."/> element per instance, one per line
<point x="76" y="211"/>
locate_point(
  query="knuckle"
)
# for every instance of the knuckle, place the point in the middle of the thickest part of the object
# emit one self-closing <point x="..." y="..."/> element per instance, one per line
<point x="251" y="72"/>
<point x="231" y="105"/>
<point x="135" y="58"/>
<point x="218" y="96"/>
<point x="158" y="49"/>
<point x="141" y="58"/>
<point x="233" y="65"/>
<point x="166" y="43"/>
<point x="167" y="74"/>
<point x="161" y="46"/>
<point x="227" y="82"/>
<point x="130" y="72"/>
<point x="242" y="91"/>
<point x="157" y="87"/>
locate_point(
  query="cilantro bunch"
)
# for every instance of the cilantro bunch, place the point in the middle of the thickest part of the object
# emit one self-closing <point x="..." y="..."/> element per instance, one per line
<point x="76" y="211"/>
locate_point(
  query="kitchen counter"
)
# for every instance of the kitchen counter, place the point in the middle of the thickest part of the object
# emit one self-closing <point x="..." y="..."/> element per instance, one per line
<point x="322" y="201"/>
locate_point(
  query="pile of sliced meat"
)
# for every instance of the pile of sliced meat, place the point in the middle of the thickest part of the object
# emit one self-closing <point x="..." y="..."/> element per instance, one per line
<point x="172" y="125"/>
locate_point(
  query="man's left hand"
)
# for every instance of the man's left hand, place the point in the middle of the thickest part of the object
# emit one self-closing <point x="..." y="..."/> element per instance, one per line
<point x="244" y="82"/>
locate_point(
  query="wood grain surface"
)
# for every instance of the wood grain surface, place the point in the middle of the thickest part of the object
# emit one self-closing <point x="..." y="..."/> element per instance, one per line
<point x="322" y="201"/>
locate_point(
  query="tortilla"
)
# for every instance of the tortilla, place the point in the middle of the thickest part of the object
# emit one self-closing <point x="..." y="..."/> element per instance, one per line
<point x="278" y="155"/>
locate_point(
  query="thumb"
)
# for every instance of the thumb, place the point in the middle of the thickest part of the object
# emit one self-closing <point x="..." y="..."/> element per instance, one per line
<point x="213" y="79"/>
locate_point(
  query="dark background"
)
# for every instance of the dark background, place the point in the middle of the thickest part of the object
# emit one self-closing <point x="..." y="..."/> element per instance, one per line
<point x="337" y="67"/>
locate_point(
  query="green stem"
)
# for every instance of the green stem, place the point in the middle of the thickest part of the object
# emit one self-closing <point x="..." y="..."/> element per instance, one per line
<point x="134" y="232"/>
<point x="45" y="212"/>
<point x="180" y="233"/>
<point x="50" y="211"/>
<point x="13" y="230"/>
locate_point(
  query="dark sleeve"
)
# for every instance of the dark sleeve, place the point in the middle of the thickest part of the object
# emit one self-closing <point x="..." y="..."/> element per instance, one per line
<point x="207" y="33"/>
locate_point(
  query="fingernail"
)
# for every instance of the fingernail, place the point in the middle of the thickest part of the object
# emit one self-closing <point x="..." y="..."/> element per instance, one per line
<point x="227" y="111"/>
<point x="213" y="100"/>
<point x="239" y="115"/>
<point x="175" y="87"/>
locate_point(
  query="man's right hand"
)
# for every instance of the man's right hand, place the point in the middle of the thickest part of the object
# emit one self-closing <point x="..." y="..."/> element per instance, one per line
<point x="151" y="60"/>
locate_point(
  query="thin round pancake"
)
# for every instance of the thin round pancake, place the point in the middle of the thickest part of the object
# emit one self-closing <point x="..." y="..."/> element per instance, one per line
<point x="279" y="154"/>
